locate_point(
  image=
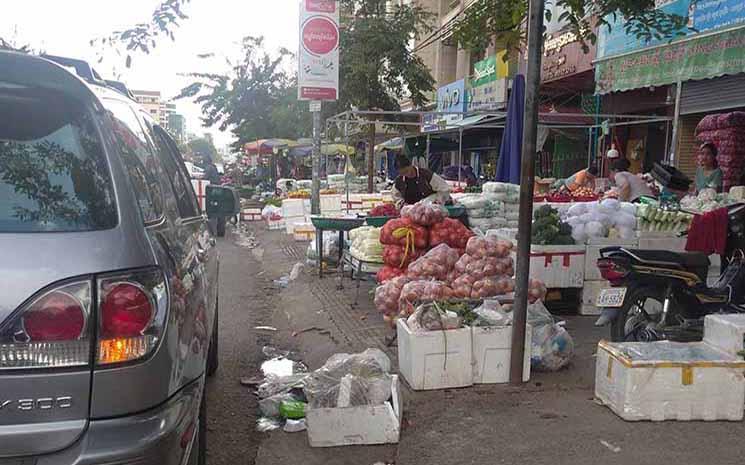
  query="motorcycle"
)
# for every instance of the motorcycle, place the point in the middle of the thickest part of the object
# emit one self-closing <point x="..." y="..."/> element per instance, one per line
<point x="663" y="295"/>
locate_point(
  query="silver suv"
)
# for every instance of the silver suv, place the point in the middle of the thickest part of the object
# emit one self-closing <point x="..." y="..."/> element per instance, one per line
<point x="108" y="308"/>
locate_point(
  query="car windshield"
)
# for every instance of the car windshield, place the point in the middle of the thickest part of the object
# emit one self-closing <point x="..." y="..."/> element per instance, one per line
<point x="53" y="173"/>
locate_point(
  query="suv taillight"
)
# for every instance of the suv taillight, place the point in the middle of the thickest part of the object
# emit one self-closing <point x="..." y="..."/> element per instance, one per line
<point x="51" y="330"/>
<point x="131" y="316"/>
<point x="58" y="328"/>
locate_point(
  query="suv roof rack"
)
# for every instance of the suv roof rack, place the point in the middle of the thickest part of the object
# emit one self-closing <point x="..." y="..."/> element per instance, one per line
<point x="82" y="68"/>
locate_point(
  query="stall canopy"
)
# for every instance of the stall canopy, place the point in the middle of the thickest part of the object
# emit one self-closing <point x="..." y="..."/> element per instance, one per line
<point x="397" y="143"/>
<point x="326" y="150"/>
<point x="267" y="146"/>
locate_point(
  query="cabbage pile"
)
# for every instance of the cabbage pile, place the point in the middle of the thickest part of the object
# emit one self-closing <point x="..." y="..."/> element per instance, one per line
<point x="596" y="219"/>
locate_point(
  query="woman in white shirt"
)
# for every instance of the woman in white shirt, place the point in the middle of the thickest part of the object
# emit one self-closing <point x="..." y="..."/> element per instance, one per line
<point x="629" y="186"/>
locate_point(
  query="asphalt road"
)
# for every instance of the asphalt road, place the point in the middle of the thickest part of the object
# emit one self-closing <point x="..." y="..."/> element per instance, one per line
<point x="244" y="304"/>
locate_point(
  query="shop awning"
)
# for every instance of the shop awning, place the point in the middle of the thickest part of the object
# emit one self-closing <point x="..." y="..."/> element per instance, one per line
<point x="267" y="146"/>
<point x="700" y="57"/>
<point x="326" y="150"/>
<point x="397" y="143"/>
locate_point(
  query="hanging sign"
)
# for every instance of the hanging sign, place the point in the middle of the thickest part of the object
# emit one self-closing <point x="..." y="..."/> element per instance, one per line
<point x="318" y="57"/>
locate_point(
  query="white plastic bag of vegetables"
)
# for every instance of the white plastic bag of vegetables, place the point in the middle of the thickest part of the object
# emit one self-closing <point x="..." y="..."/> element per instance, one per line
<point x="420" y="292"/>
<point x="424" y="213"/>
<point x="435" y="264"/>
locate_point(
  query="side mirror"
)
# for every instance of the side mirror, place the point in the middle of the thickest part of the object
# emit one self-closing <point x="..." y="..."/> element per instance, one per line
<point x="222" y="202"/>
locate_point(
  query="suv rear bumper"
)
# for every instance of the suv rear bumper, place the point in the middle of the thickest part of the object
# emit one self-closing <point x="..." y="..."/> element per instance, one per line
<point x="159" y="436"/>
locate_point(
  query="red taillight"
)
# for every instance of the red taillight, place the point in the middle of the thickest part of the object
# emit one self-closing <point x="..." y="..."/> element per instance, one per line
<point x="611" y="271"/>
<point x="126" y="311"/>
<point x="57" y="316"/>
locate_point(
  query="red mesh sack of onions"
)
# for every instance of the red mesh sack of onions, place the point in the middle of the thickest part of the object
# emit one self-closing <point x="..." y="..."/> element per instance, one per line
<point x="425" y="213"/>
<point x="387" y="295"/>
<point x="481" y="247"/>
<point x="386" y="209"/>
<point x="492" y="287"/>
<point x="437" y="264"/>
<point x="536" y="290"/>
<point x="397" y="256"/>
<point x="389" y="272"/>
<point x="451" y="232"/>
<point x="421" y="291"/>
<point x="403" y="232"/>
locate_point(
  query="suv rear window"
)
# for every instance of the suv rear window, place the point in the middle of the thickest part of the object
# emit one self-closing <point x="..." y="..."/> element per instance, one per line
<point x="53" y="173"/>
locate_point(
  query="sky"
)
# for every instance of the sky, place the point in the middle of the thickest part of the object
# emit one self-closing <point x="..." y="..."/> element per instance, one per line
<point x="66" y="27"/>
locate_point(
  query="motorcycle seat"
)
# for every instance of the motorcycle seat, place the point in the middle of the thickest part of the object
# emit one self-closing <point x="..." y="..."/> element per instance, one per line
<point x="693" y="261"/>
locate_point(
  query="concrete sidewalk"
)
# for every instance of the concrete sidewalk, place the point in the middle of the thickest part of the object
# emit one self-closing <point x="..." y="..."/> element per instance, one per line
<point x="552" y="419"/>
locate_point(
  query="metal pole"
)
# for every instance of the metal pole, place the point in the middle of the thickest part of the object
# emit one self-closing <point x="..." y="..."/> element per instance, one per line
<point x="460" y="154"/>
<point x="530" y="133"/>
<point x="676" y="123"/>
<point x="371" y="161"/>
<point x="315" y="195"/>
<point x="347" y="161"/>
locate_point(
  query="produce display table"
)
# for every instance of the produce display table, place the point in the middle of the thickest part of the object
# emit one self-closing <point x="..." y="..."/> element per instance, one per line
<point x="332" y="224"/>
<point x="359" y="268"/>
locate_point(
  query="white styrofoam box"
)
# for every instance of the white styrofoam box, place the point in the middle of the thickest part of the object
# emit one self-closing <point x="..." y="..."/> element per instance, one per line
<point x="669" y="381"/>
<point x="557" y="266"/>
<point x="435" y="359"/>
<point x="303" y="231"/>
<point x="251" y="214"/>
<point x="355" y="426"/>
<point x="276" y="224"/>
<point x="492" y="349"/>
<point x="669" y="242"/>
<point x="505" y="234"/>
<point x="590" y="294"/>
<point x="726" y="332"/>
<point x="295" y="207"/>
<point x="592" y="273"/>
<point x="200" y="189"/>
<point x="291" y="221"/>
<point x="330" y="203"/>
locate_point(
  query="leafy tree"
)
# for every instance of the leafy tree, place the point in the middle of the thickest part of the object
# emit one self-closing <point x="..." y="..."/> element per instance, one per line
<point x="500" y="20"/>
<point x="242" y="100"/>
<point x="202" y="147"/>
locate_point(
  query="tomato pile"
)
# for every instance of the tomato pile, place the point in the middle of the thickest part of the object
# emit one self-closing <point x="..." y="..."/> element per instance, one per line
<point x="386" y="209"/>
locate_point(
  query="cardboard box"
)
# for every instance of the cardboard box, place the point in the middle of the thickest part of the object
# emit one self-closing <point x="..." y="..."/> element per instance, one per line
<point x="660" y="381"/>
<point x="354" y="426"/>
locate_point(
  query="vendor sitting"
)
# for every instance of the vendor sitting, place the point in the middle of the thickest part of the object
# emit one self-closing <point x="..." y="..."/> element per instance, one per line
<point x="584" y="178"/>
<point x="708" y="174"/>
<point x="414" y="184"/>
<point x="628" y="186"/>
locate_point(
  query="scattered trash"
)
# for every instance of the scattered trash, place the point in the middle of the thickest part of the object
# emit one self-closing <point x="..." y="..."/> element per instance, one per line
<point x="285" y="281"/>
<point x="265" y="328"/>
<point x="306" y="330"/>
<point x="295" y="426"/>
<point x="273" y="352"/>
<point x="292" y="409"/>
<point x="296" y="270"/>
<point x="282" y="282"/>
<point x="610" y="446"/>
<point x="278" y="367"/>
<point x="265" y="424"/>
<point x="252" y="381"/>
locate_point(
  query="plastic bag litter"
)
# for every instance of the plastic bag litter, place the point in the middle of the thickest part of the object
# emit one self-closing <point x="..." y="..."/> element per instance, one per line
<point x="330" y="248"/>
<point x="552" y="346"/>
<point x="270" y="406"/>
<point x="295" y="426"/>
<point x="430" y="317"/>
<point x="265" y="424"/>
<point x="350" y="380"/>
<point x="490" y="313"/>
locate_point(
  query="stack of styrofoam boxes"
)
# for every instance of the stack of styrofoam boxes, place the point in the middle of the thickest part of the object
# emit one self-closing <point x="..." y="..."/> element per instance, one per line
<point x="356" y="426"/>
<point x="353" y="205"/>
<point x="331" y="205"/>
<point x="275" y="223"/>
<point x="458" y="357"/>
<point x="251" y="214"/>
<point x="370" y="201"/>
<point x="304" y="231"/>
<point x="294" y="211"/>
<point x="594" y="282"/>
<point x="557" y="266"/>
<point x="676" y="381"/>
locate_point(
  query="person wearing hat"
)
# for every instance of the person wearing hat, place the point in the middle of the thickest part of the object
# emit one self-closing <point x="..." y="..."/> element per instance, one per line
<point x="414" y="184"/>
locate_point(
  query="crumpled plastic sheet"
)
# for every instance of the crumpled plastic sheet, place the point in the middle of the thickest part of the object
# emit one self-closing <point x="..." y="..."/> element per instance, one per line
<point x="552" y="346"/>
<point x="490" y="313"/>
<point x="667" y="351"/>
<point x="430" y="317"/>
<point x="350" y="380"/>
<point x="265" y="424"/>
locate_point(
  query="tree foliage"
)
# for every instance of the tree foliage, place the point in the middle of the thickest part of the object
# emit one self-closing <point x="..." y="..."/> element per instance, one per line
<point x="500" y="20"/>
<point x="201" y="147"/>
<point x="377" y="67"/>
<point x="256" y="99"/>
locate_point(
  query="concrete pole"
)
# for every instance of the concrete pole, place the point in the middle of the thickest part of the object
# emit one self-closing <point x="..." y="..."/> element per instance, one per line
<point x="371" y="161"/>
<point x="315" y="195"/>
<point x="676" y="124"/>
<point x="527" y="169"/>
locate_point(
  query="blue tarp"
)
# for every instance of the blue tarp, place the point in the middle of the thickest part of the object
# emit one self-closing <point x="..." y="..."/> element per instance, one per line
<point x="508" y="166"/>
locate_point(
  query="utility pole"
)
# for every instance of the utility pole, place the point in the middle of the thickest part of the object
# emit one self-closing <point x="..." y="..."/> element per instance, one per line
<point x="315" y="195"/>
<point x="527" y="169"/>
<point x="371" y="161"/>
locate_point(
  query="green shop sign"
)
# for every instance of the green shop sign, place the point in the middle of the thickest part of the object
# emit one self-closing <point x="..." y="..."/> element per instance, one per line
<point x="490" y="69"/>
<point x="699" y="58"/>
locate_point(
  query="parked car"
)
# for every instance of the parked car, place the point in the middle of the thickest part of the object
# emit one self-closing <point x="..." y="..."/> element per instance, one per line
<point x="108" y="315"/>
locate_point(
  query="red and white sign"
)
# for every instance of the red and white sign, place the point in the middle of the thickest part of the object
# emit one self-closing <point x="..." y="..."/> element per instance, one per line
<point x="318" y="59"/>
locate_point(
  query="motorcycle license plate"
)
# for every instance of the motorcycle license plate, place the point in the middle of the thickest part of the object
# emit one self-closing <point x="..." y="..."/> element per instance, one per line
<point x="611" y="298"/>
